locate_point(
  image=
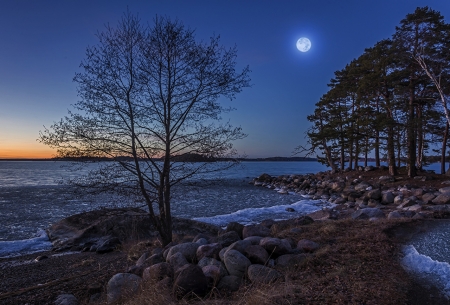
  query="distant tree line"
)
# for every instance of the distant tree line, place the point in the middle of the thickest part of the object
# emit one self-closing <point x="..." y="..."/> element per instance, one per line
<point x="389" y="103"/>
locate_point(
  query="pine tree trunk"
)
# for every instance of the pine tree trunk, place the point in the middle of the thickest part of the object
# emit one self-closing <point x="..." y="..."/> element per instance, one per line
<point x="444" y="148"/>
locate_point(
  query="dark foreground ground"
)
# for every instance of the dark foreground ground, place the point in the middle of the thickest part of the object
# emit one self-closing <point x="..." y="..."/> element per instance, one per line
<point x="357" y="263"/>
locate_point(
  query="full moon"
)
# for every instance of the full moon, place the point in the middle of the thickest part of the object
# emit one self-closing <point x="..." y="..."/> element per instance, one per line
<point x="303" y="44"/>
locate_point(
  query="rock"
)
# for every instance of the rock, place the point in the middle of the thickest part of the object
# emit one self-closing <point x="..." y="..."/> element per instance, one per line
<point x="66" y="299"/>
<point x="369" y="168"/>
<point x="190" y="280"/>
<point x="200" y="236"/>
<point x="338" y="186"/>
<point x="387" y="198"/>
<point x="443" y="198"/>
<point x="362" y="186"/>
<point x="157" y="272"/>
<point x="307" y="245"/>
<point x="368" y="213"/>
<point x="121" y="286"/>
<point x="255" y="230"/>
<point x="209" y="250"/>
<point x="407" y="202"/>
<point x="374" y="194"/>
<point x="228" y="238"/>
<point x="240" y="245"/>
<point x="275" y="246"/>
<point x="265" y="177"/>
<point x="110" y="244"/>
<point x="40" y="258"/>
<point x="268" y="223"/>
<point x="290" y="210"/>
<point x="372" y="203"/>
<point x="236" y="263"/>
<point x="201" y="241"/>
<point x="254" y="240"/>
<point x="398" y="199"/>
<point x="256" y="254"/>
<point x="154" y="259"/>
<point x="138" y="270"/>
<point x="444" y="190"/>
<point x="177" y="260"/>
<point x="208" y="261"/>
<point x="236" y="227"/>
<point x="428" y="197"/>
<point x="188" y="250"/>
<point x="230" y="283"/>
<point x="415" y="208"/>
<point x="212" y="274"/>
<point x="259" y="274"/>
<point x="142" y="259"/>
<point x="386" y="178"/>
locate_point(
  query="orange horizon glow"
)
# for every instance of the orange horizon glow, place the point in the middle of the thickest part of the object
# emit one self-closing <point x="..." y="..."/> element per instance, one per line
<point x="29" y="152"/>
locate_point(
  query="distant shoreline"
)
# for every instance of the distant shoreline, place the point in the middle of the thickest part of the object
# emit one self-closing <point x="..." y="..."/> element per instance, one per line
<point x="290" y="159"/>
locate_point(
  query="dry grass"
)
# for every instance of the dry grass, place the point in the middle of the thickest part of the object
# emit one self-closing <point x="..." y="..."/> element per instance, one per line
<point x="357" y="263"/>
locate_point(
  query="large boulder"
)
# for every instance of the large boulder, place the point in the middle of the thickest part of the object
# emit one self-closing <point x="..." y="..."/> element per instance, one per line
<point x="428" y="198"/>
<point x="230" y="283"/>
<point x="368" y="213"/>
<point x="177" y="260"/>
<point x="387" y="198"/>
<point x="213" y="274"/>
<point x="122" y="286"/>
<point x="275" y="246"/>
<point x="208" y="261"/>
<point x="259" y="274"/>
<point x="442" y="199"/>
<point x="236" y="227"/>
<point x="190" y="279"/>
<point x="188" y="250"/>
<point x="255" y="230"/>
<point x="256" y="254"/>
<point x="228" y="238"/>
<point x="66" y="299"/>
<point x="157" y="272"/>
<point x="209" y="250"/>
<point x="240" y="245"/>
<point x="236" y="263"/>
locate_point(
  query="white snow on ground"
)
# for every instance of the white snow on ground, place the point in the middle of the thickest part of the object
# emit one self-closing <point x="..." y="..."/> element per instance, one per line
<point x="20" y="247"/>
<point x="423" y="265"/>
<point x="255" y="215"/>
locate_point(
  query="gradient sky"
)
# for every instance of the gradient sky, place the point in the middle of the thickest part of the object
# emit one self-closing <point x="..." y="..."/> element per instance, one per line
<point x="43" y="42"/>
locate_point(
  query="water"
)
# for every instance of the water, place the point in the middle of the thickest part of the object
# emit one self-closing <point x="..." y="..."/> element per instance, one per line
<point x="31" y="199"/>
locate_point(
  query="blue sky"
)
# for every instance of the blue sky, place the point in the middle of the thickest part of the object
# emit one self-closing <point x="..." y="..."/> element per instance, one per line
<point x="43" y="42"/>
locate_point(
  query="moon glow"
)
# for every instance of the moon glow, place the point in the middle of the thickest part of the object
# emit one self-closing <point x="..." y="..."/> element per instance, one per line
<point x="303" y="44"/>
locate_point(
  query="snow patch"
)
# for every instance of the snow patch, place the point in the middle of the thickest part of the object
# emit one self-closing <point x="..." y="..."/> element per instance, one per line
<point x="39" y="243"/>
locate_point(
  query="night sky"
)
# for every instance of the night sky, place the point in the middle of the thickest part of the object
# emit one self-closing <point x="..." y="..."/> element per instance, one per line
<point x="43" y="42"/>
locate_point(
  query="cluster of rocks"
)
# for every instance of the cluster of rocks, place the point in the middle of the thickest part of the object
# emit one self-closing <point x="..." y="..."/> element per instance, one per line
<point x="239" y="255"/>
<point x="363" y="199"/>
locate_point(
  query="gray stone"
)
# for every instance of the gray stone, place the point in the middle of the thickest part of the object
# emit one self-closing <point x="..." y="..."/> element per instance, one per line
<point x="190" y="279"/>
<point x="275" y="246"/>
<point x="398" y="199"/>
<point x="154" y="259"/>
<point x="374" y="194"/>
<point x="442" y="199"/>
<point x="121" y="286"/>
<point x="228" y="238"/>
<point x="257" y="254"/>
<point x="108" y="245"/>
<point x="177" y="260"/>
<point x="209" y="250"/>
<point x="236" y="227"/>
<point x="212" y="274"/>
<point x="255" y="230"/>
<point x="368" y="213"/>
<point x="157" y="272"/>
<point x="236" y="263"/>
<point x="142" y="259"/>
<point x="188" y="250"/>
<point x="387" y="198"/>
<point x="66" y="299"/>
<point x="230" y="283"/>
<point x="444" y="190"/>
<point x="259" y="274"/>
<point x="254" y="240"/>
<point x="362" y="186"/>
<point x="240" y="245"/>
<point x="428" y="197"/>
<point x="208" y="261"/>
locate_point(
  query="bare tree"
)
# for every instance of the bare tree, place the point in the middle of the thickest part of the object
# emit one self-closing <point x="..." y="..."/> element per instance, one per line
<point x="150" y="99"/>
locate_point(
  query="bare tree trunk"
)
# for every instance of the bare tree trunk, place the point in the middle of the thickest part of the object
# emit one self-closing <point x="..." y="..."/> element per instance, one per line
<point x="444" y="148"/>
<point x="420" y="139"/>
<point x="411" y="139"/>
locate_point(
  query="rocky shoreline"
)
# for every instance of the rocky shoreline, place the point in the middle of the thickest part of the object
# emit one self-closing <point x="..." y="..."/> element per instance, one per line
<point x="368" y="193"/>
<point x="303" y="257"/>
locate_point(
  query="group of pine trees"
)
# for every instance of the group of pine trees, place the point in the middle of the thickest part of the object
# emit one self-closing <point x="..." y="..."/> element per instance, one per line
<point x="390" y="102"/>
